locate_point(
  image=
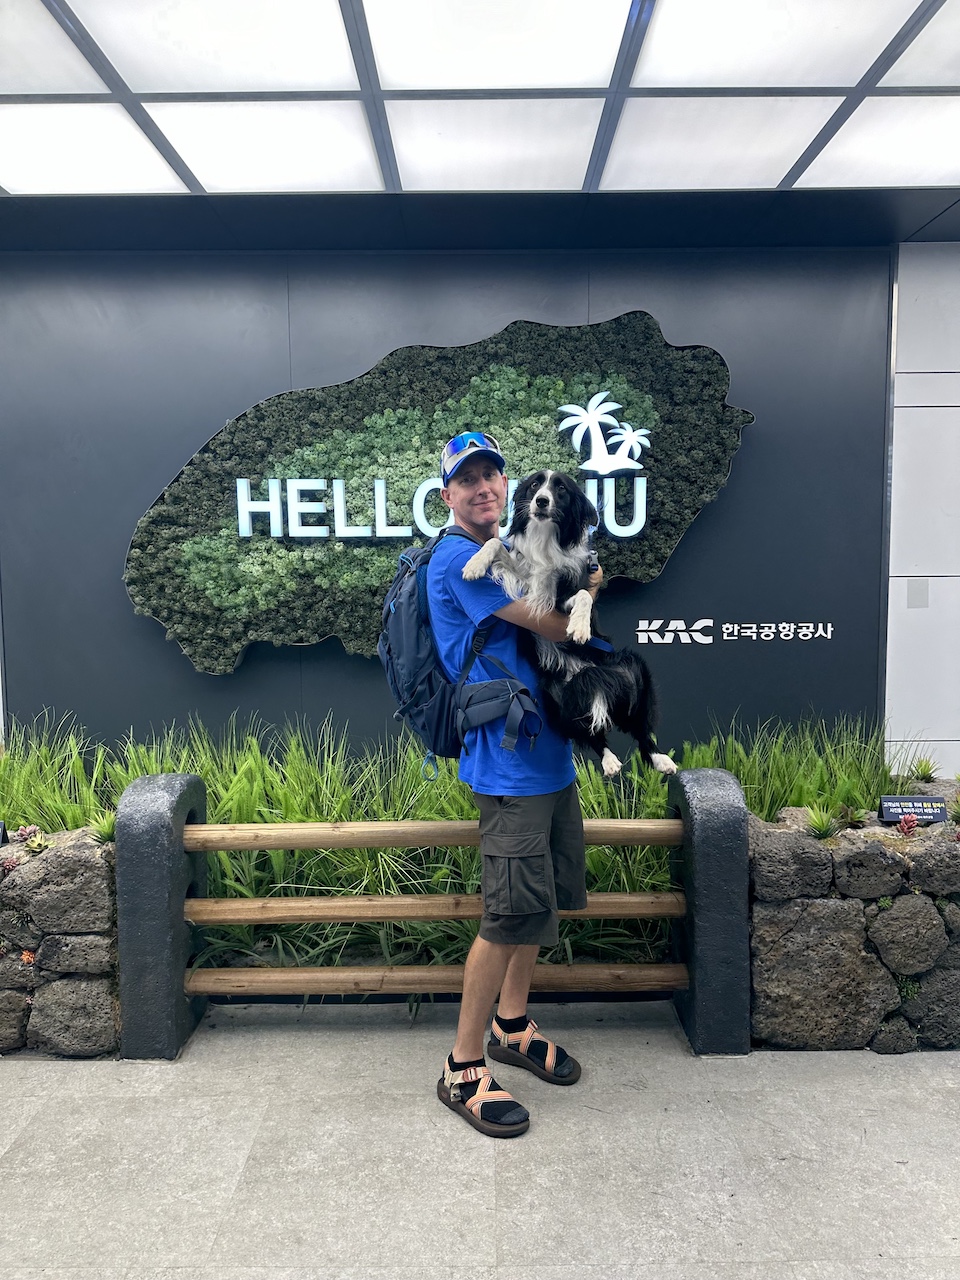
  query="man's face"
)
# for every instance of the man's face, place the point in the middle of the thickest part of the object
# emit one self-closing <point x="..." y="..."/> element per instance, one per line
<point x="476" y="494"/>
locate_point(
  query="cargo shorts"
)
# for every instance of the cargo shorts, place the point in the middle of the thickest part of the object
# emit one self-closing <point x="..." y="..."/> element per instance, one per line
<point x="533" y="864"/>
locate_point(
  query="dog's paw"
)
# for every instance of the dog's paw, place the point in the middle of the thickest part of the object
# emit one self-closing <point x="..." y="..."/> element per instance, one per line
<point x="581" y="608"/>
<point x="476" y="566"/>
<point x="578" y="629"/>
<point x="662" y="764"/>
<point x="609" y="763"/>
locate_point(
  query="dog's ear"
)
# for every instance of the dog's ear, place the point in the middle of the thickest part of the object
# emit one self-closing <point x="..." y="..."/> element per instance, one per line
<point x="586" y="512"/>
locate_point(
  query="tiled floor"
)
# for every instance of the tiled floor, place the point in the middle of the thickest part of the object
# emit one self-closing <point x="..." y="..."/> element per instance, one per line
<point x="291" y="1144"/>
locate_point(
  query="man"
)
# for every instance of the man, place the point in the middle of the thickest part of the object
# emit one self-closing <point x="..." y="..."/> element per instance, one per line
<point x="531" y="830"/>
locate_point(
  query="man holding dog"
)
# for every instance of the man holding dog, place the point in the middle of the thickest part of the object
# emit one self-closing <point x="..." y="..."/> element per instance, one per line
<point x="531" y="830"/>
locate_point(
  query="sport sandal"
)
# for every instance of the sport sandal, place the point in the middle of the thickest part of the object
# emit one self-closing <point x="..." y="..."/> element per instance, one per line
<point x="512" y="1047"/>
<point x="448" y="1091"/>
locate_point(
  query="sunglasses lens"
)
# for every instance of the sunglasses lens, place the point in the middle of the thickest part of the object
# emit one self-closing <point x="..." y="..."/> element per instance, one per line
<point x="467" y="438"/>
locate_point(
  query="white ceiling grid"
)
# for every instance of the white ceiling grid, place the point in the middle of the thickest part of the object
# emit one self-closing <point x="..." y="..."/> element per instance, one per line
<point x="477" y="95"/>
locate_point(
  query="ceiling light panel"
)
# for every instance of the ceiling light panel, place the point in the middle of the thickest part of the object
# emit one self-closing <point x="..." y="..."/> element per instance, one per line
<point x="684" y="144"/>
<point x="934" y="57"/>
<point x="494" y="145"/>
<point x="499" y="44"/>
<point x="273" y="146"/>
<point x="758" y="43"/>
<point x="184" y="46"/>
<point x="893" y="142"/>
<point x="37" y="55"/>
<point x="78" y="149"/>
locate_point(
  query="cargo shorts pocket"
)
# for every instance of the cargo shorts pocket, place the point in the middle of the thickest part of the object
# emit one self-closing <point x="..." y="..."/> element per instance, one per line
<point x="517" y="879"/>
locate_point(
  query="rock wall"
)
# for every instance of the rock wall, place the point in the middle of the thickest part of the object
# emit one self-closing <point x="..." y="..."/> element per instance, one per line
<point x="855" y="940"/>
<point x="58" y="948"/>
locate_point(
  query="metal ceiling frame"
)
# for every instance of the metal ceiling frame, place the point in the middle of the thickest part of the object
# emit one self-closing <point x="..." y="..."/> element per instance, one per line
<point x="374" y="98"/>
<point x="901" y="41"/>
<point x="120" y="92"/>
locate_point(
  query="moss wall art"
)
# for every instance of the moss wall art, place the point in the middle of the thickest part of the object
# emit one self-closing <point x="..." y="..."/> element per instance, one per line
<point x="612" y="397"/>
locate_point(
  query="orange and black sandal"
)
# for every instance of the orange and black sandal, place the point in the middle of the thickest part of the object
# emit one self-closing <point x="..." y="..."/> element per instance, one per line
<point x="513" y="1048"/>
<point x="449" y="1093"/>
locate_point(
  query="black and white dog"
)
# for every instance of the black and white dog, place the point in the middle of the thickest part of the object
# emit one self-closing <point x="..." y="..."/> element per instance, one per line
<point x="588" y="689"/>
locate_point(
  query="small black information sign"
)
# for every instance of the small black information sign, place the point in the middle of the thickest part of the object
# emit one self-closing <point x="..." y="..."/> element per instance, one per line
<point x="3" y="834"/>
<point x="923" y="808"/>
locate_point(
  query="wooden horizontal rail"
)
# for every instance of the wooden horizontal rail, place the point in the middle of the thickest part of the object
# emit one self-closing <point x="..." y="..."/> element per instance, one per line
<point x="420" y="906"/>
<point x="410" y="979"/>
<point x="199" y="838"/>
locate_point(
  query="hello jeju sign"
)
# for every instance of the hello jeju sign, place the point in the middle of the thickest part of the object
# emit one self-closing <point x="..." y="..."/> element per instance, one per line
<point x="286" y="526"/>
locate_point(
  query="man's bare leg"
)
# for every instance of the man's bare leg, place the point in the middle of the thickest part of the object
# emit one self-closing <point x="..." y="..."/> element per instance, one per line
<point x="483" y="976"/>
<point x="515" y="990"/>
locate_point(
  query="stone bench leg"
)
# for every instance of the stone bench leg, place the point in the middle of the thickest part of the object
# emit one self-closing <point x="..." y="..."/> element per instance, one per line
<point x="154" y="876"/>
<point x="714" y="938"/>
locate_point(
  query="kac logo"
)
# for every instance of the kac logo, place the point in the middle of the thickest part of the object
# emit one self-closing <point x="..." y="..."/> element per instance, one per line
<point x="676" y="627"/>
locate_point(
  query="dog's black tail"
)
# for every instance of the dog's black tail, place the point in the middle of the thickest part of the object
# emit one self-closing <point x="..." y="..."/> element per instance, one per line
<point x="637" y="716"/>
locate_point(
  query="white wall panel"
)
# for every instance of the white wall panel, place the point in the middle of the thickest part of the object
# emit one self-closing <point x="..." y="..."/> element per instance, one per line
<point x="926" y="390"/>
<point x="945" y="755"/>
<point x="923" y="671"/>
<point x="928" y="311"/>
<point x="925" y="510"/>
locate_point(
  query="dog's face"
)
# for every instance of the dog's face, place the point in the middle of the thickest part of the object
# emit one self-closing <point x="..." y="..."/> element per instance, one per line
<point x="555" y="498"/>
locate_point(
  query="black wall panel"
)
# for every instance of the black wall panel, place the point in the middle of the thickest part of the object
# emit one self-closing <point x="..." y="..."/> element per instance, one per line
<point x="115" y="368"/>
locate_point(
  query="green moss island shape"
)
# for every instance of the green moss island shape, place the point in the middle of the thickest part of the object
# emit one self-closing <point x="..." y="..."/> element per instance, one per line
<point x="216" y="592"/>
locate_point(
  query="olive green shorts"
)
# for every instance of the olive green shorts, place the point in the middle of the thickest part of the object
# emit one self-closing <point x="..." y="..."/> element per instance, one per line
<point x="533" y="865"/>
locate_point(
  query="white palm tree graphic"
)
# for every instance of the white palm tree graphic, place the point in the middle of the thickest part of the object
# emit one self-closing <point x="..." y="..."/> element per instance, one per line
<point x="633" y="441"/>
<point x="591" y="420"/>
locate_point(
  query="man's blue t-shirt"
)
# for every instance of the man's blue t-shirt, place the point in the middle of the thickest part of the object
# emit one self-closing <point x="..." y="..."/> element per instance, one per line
<point x="457" y="608"/>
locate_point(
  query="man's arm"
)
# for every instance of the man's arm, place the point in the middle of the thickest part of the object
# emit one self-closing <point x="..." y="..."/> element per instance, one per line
<point x="552" y="625"/>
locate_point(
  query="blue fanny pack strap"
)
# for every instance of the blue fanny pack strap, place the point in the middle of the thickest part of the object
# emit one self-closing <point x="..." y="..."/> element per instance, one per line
<point x="511" y="698"/>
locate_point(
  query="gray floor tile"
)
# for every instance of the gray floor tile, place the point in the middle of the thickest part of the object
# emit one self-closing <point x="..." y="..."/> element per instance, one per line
<point x="67" y="1273"/>
<point x="373" y="1179"/>
<point x="29" y="1075"/>
<point x="627" y="1179"/>
<point x="663" y="1271"/>
<point x="263" y="1049"/>
<point x="881" y="1268"/>
<point x="426" y="1271"/>
<point x="113" y="1180"/>
<point x="15" y="1114"/>
<point x="845" y="1166"/>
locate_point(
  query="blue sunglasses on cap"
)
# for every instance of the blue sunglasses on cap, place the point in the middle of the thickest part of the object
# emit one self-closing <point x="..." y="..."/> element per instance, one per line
<point x="468" y="443"/>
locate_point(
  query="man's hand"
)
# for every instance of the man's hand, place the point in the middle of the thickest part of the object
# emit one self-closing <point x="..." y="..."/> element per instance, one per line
<point x="594" y="581"/>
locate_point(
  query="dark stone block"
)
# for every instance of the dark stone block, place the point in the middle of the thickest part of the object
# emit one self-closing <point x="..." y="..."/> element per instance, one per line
<point x="868" y="870"/>
<point x="909" y="936"/>
<point x="936" y="865"/>
<point x="66" y="888"/>
<point x="154" y="876"/>
<point x="713" y="940"/>
<point x="815" y="986"/>
<point x="18" y="929"/>
<point x="17" y="973"/>
<point x="939" y="1024"/>
<point x="14" y="1012"/>
<point x="895" y="1036"/>
<point x="788" y="864"/>
<point x="75" y="1018"/>
<point x="75" y="953"/>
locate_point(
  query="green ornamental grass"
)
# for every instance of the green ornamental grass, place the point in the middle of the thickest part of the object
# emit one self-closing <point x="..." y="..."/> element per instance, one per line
<point x="54" y="776"/>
